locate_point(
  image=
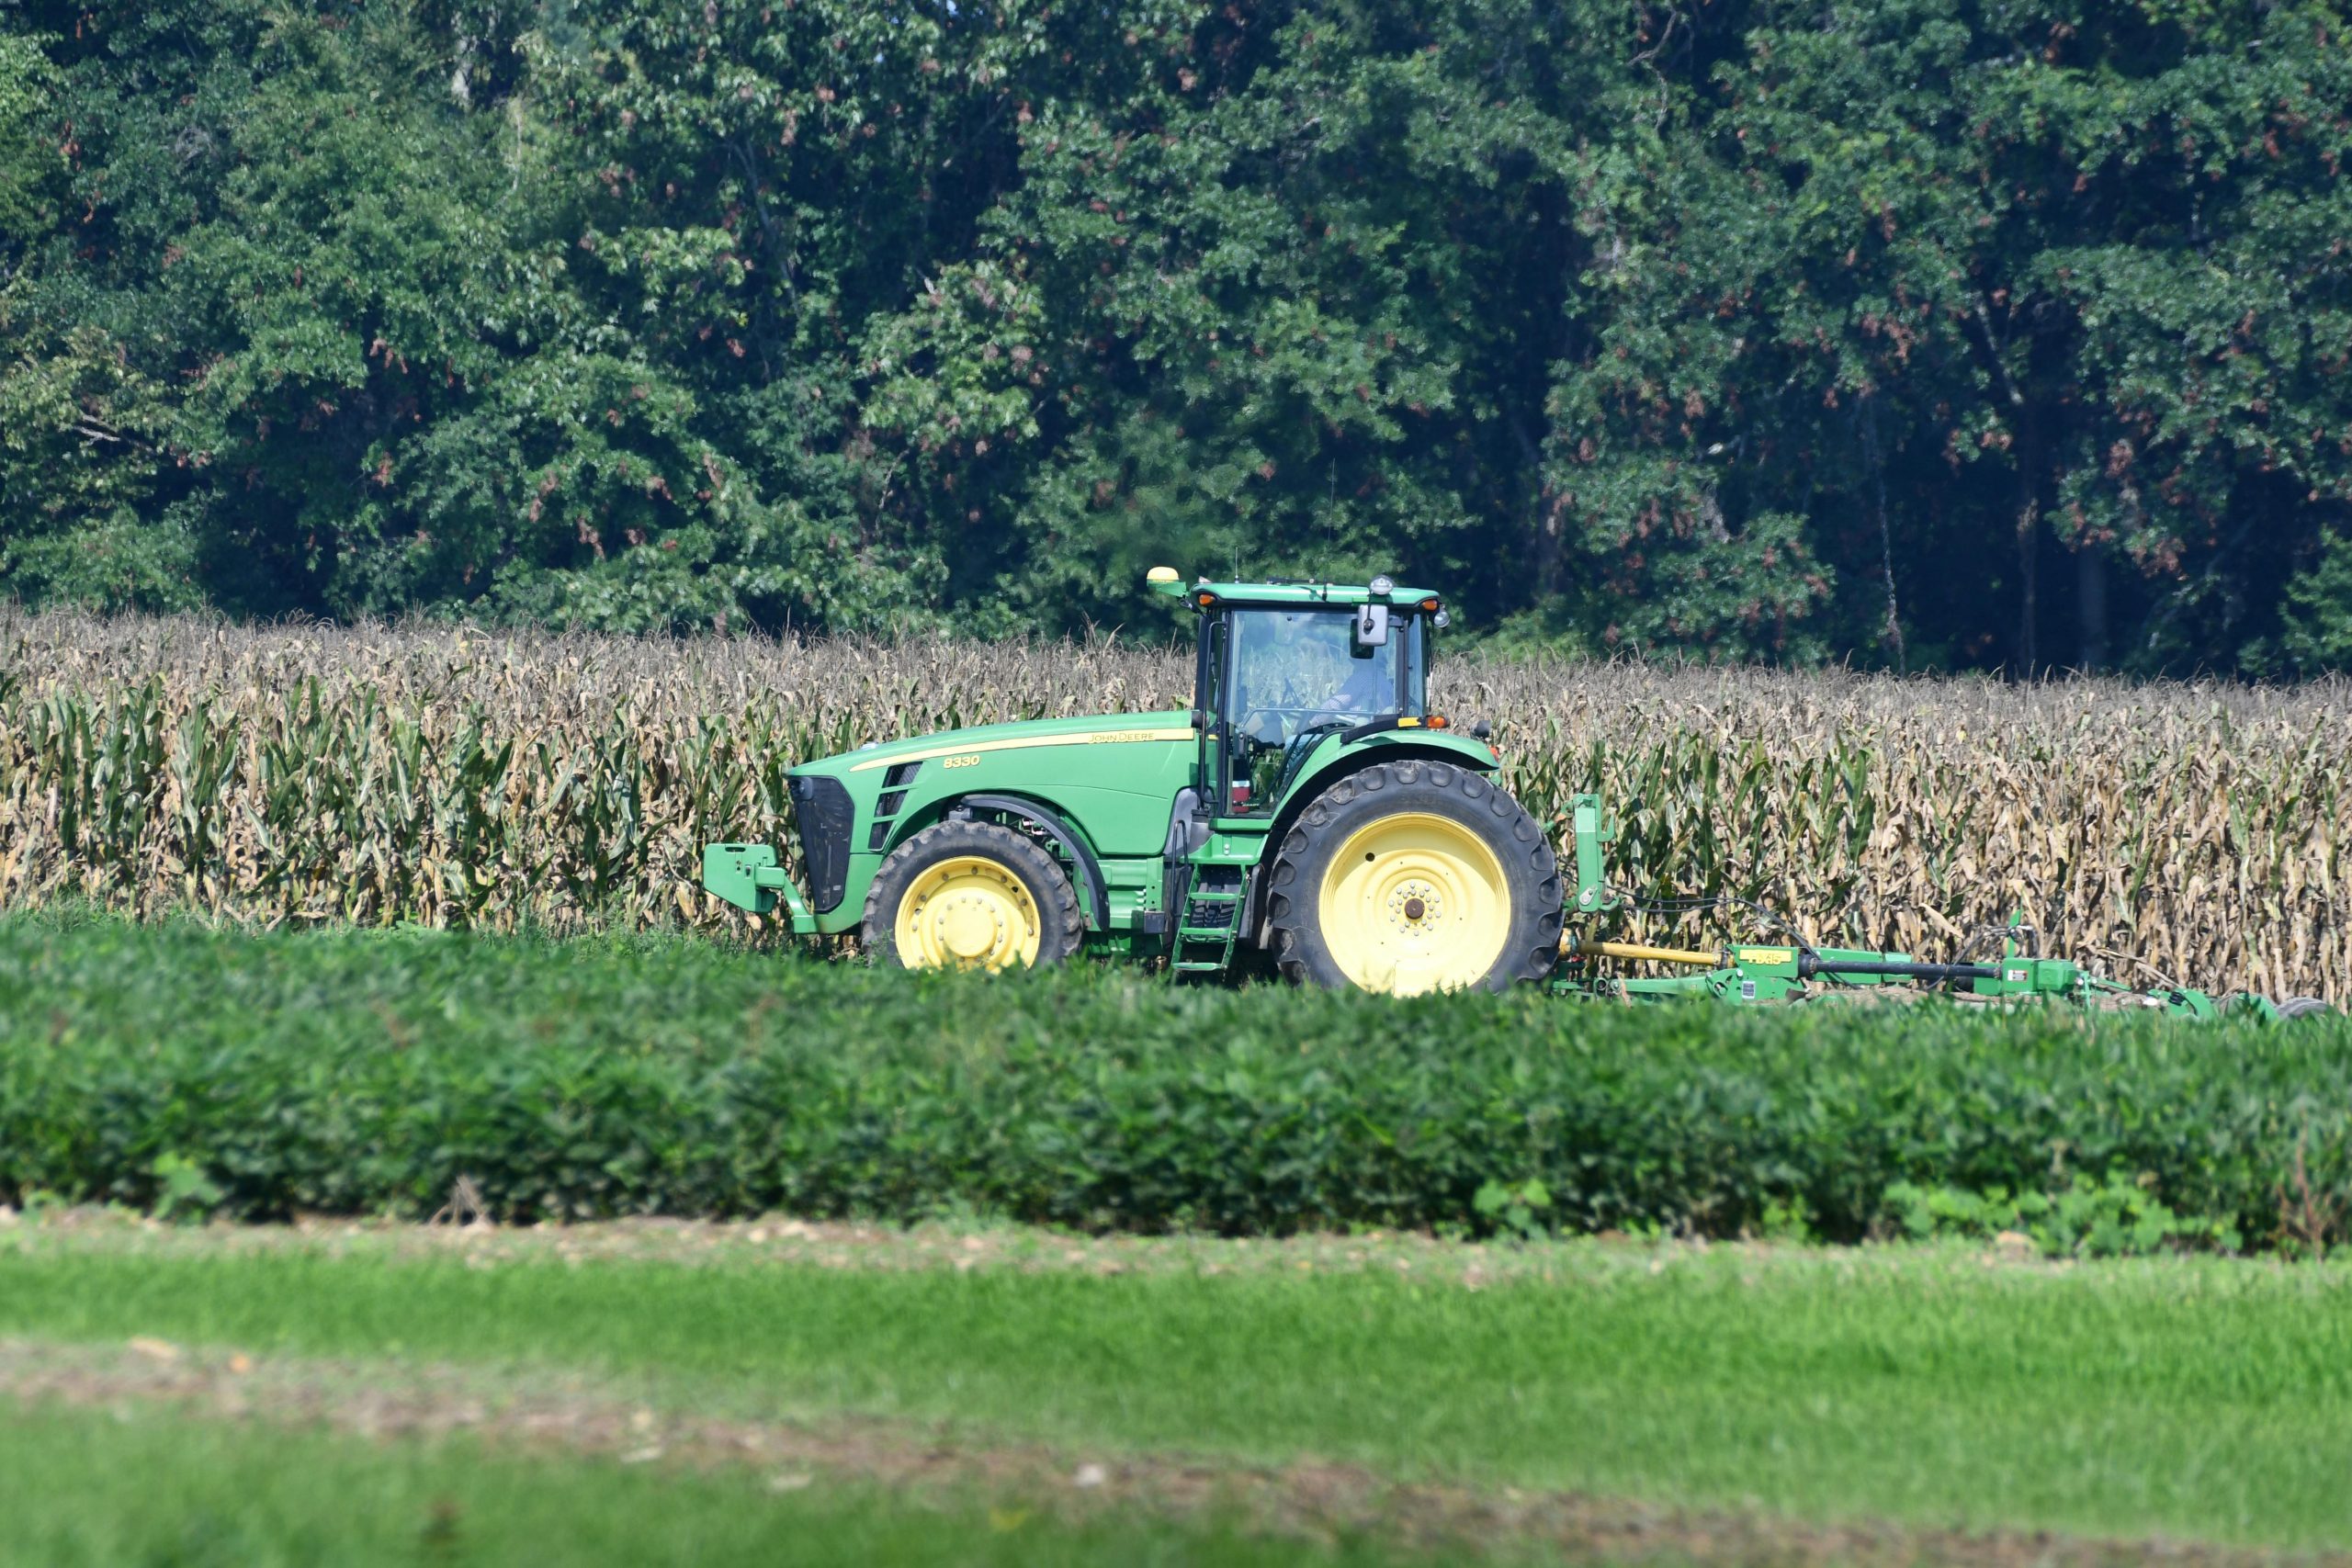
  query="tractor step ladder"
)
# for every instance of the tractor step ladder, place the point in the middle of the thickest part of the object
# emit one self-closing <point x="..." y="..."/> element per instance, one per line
<point x="1210" y="922"/>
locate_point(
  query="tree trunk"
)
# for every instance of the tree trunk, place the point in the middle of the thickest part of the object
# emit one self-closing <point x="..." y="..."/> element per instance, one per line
<point x="2026" y="655"/>
<point x="2090" y="604"/>
<point x="1548" y="548"/>
<point x="1868" y="421"/>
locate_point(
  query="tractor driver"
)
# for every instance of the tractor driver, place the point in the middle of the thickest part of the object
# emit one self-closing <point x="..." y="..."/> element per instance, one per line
<point x="1369" y="689"/>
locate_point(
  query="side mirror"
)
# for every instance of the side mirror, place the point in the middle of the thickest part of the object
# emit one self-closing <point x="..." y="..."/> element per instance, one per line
<point x="1372" y="625"/>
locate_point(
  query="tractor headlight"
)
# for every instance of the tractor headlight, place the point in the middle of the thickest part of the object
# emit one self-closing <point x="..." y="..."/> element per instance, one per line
<point x="1383" y="586"/>
<point x="1440" y="620"/>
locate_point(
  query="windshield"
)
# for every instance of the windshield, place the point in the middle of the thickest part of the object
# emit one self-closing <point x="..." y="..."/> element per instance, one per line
<point x="1292" y="669"/>
<point x="1293" y="675"/>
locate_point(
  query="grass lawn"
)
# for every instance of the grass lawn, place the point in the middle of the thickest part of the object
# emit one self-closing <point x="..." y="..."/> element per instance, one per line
<point x="2206" y="1400"/>
<point x="105" y="1490"/>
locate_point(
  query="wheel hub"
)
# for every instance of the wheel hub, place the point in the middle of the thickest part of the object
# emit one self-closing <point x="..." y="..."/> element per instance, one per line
<point x="968" y="927"/>
<point x="1415" y="902"/>
<point x="968" y="912"/>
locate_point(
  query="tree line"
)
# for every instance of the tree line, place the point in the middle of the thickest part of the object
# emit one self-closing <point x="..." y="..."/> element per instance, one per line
<point x="1917" y="333"/>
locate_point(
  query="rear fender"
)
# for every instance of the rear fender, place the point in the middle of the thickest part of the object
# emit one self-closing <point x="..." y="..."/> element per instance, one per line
<point x="1335" y="759"/>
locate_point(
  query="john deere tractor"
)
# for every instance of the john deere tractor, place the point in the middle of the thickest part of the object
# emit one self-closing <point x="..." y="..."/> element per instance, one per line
<point x="1308" y="811"/>
<point x="1309" y="807"/>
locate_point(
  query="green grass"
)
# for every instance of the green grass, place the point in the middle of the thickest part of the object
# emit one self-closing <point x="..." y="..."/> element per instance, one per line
<point x="107" y="1491"/>
<point x="2193" y="1398"/>
<point x="357" y="1073"/>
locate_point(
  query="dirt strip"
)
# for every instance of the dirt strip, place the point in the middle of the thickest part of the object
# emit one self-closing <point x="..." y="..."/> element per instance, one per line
<point x="552" y="1415"/>
<point x="782" y="1240"/>
<point x="779" y="1239"/>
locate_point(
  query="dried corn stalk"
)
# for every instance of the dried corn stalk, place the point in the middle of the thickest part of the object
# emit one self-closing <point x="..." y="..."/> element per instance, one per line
<point x="452" y="776"/>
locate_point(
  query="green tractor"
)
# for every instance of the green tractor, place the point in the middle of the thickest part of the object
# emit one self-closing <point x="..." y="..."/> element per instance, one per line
<point x="1307" y="813"/>
<point x="1309" y="807"/>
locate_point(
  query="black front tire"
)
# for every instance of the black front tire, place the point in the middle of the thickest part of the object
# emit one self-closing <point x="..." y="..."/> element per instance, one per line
<point x="1052" y="900"/>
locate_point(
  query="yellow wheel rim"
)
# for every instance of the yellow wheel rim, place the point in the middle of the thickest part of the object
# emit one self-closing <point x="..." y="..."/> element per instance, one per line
<point x="1415" y="903"/>
<point x="969" y="912"/>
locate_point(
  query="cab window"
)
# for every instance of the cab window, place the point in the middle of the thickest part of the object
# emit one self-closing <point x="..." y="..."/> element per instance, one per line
<point x="1293" y="677"/>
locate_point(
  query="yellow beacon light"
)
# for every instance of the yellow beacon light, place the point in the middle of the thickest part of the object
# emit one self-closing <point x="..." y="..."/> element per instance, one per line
<point x="1160" y="574"/>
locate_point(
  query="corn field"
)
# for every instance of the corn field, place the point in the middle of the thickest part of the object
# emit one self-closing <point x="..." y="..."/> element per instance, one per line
<point x="450" y="776"/>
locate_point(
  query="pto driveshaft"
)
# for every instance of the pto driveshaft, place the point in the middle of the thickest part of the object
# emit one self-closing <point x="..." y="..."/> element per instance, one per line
<point x="1809" y="965"/>
<point x="1577" y="947"/>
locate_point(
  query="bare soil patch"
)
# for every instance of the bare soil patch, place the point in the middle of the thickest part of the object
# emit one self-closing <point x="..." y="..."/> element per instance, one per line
<point x="839" y="1244"/>
<point x="784" y="1241"/>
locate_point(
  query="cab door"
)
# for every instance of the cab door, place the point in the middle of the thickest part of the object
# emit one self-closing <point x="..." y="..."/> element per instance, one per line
<point x="1208" y="710"/>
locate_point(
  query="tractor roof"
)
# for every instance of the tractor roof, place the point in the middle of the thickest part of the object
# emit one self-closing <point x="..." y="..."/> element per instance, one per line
<point x="1282" y="592"/>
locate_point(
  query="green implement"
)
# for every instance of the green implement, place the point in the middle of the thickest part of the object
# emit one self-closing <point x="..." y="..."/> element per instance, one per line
<point x="1797" y="971"/>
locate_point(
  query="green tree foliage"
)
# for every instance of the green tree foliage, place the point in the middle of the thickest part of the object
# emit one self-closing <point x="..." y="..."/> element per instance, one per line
<point x="1922" y="333"/>
<point x="28" y="166"/>
<point x="2001" y="291"/>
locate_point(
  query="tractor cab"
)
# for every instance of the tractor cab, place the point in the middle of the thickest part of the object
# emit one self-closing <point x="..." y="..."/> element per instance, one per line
<point x="1283" y="668"/>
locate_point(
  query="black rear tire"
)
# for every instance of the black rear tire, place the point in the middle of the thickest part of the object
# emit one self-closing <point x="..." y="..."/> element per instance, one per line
<point x="1529" y="908"/>
<point x="2303" y="1006"/>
